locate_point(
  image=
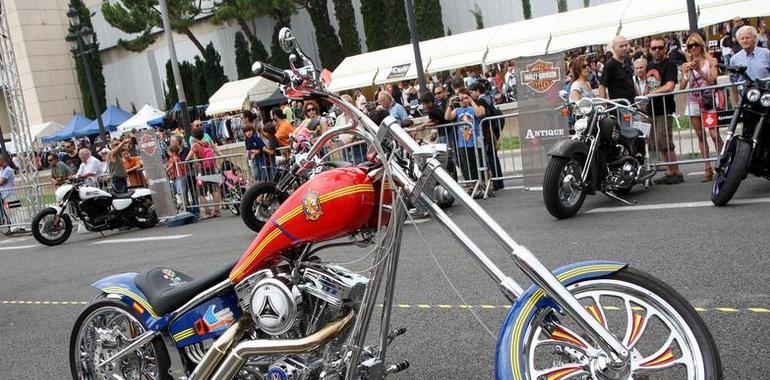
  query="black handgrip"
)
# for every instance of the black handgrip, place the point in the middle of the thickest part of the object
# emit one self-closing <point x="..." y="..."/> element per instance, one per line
<point x="270" y="73"/>
<point x="733" y="69"/>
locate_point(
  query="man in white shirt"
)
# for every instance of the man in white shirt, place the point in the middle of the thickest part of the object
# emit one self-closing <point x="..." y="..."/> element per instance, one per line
<point x="6" y="180"/>
<point x="90" y="167"/>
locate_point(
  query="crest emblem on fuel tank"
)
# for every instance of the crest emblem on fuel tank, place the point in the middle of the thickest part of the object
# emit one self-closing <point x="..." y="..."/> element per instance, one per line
<point x="312" y="206"/>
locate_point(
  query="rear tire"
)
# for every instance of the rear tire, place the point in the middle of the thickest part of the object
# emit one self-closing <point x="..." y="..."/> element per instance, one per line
<point x="258" y="204"/>
<point x="561" y="200"/>
<point x="112" y="311"/>
<point x="41" y="217"/>
<point x="146" y="215"/>
<point x="726" y="181"/>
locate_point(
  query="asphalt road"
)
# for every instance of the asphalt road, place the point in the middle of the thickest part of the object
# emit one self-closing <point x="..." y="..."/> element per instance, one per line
<point x="715" y="257"/>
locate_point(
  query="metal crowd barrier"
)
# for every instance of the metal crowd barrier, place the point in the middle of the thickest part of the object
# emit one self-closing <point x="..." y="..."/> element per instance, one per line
<point x="210" y="183"/>
<point x="471" y="160"/>
<point x="503" y="152"/>
<point x="671" y="144"/>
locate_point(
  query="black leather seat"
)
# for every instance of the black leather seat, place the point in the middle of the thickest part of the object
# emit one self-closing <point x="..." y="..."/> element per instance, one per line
<point x="168" y="289"/>
<point x="123" y="195"/>
<point x="630" y="133"/>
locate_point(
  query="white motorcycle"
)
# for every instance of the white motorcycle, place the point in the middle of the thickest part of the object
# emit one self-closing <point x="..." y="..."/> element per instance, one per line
<point x="96" y="209"/>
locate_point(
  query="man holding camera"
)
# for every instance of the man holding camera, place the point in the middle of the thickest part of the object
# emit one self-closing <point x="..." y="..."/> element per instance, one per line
<point x="462" y="108"/>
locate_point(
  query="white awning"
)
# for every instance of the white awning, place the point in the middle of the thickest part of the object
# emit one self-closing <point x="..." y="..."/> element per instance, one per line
<point x="235" y="96"/>
<point x="139" y="121"/>
<point x="520" y="39"/>
<point x="596" y="25"/>
<point x="397" y="63"/>
<point x="45" y="129"/>
<point x="355" y="72"/>
<point x="649" y="17"/>
<point x="716" y="11"/>
<point x="458" y="50"/>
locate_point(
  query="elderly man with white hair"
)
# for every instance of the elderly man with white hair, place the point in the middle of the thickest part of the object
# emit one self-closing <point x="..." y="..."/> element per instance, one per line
<point x="90" y="167"/>
<point x="756" y="59"/>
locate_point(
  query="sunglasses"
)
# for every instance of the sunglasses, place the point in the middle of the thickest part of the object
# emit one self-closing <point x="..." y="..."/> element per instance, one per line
<point x="310" y="109"/>
<point x="657" y="47"/>
<point x="692" y="46"/>
<point x="585" y="66"/>
<point x="50" y="160"/>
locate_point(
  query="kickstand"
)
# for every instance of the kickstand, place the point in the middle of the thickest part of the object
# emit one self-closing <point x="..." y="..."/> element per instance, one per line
<point x="102" y="233"/>
<point x="618" y="198"/>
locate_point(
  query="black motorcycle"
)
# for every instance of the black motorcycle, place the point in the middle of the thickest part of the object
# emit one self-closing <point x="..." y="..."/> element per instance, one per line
<point x="602" y="155"/>
<point x="749" y="151"/>
<point x="96" y="209"/>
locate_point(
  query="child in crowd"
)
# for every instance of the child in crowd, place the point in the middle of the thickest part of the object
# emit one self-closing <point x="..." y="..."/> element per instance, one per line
<point x="254" y="152"/>
<point x="271" y="146"/>
<point x="175" y="170"/>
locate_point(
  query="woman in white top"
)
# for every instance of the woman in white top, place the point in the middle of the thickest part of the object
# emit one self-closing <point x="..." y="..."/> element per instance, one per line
<point x="580" y="88"/>
<point x="700" y="71"/>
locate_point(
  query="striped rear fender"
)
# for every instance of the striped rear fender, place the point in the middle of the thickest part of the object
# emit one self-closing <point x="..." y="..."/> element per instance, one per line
<point x="123" y="285"/>
<point x="509" y="363"/>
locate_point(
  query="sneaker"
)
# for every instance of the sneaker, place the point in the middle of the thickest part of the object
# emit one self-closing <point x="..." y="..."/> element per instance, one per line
<point x="675" y="179"/>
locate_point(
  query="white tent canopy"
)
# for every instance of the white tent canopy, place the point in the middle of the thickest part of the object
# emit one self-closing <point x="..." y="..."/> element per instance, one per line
<point x="139" y="121"/>
<point x="45" y="129"/>
<point x="596" y="25"/>
<point x="236" y="95"/>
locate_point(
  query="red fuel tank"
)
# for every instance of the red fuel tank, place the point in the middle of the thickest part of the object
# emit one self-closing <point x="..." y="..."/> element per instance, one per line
<point x="332" y="204"/>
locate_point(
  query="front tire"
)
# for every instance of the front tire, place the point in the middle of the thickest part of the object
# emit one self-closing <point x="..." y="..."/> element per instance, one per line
<point x="662" y="331"/>
<point x="727" y="180"/>
<point x="116" y="324"/>
<point x="563" y="191"/>
<point x="48" y="230"/>
<point x="259" y="203"/>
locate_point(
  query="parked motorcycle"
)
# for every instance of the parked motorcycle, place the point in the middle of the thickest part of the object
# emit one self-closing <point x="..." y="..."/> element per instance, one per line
<point x="749" y="151"/>
<point x="602" y="155"/>
<point x="96" y="209"/>
<point x="282" y="313"/>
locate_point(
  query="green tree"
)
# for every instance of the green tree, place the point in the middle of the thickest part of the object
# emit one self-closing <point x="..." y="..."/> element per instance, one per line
<point x="239" y="11"/>
<point x="328" y="44"/>
<point x="94" y="62"/>
<point x="476" y="12"/>
<point x="427" y="14"/>
<point x="374" y="27"/>
<point x="213" y="71"/>
<point x="186" y="71"/>
<point x="527" y="8"/>
<point x="282" y="17"/>
<point x="242" y="59"/>
<point x="142" y="17"/>
<point x="395" y="22"/>
<point x="343" y="9"/>
<point x="586" y="3"/>
<point x="562" y="5"/>
<point x="258" y="52"/>
<point x="199" y="95"/>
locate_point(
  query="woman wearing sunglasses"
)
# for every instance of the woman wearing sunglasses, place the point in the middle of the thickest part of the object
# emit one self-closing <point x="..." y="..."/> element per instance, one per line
<point x="700" y="71"/>
<point x="313" y="125"/>
<point x="580" y="88"/>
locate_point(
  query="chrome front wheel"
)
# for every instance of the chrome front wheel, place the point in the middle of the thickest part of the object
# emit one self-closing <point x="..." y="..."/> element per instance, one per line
<point x="663" y="333"/>
<point x="104" y="329"/>
<point x="563" y="190"/>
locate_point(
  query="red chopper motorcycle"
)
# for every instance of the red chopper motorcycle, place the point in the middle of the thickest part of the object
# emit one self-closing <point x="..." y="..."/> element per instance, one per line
<point x="281" y="313"/>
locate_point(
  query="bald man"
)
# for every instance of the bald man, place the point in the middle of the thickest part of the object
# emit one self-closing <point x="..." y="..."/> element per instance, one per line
<point x="618" y="76"/>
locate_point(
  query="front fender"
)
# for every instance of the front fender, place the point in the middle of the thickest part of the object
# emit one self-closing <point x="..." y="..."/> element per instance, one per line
<point x="510" y="342"/>
<point x="124" y="286"/>
<point x="568" y="148"/>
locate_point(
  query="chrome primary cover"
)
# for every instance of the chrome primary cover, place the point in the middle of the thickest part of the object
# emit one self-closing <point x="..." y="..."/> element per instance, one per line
<point x="274" y="306"/>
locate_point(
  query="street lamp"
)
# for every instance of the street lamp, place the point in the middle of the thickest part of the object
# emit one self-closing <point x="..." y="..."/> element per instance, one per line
<point x="81" y="42"/>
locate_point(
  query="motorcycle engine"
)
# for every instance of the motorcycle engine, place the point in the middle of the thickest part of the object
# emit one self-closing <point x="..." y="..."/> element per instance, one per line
<point x="295" y="304"/>
<point x="96" y="210"/>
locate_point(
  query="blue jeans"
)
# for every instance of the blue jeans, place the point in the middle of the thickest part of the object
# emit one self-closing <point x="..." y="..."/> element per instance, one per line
<point x="120" y="185"/>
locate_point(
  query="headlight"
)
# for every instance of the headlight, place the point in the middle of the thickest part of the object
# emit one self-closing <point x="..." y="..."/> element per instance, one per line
<point x="765" y="100"/>
<point x="585" y="106"/>
<point x="753" y="95"/>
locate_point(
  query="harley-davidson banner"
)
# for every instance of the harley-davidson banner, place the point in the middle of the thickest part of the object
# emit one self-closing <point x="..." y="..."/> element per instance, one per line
<point x="540" y="125"/>
<point x="155" y="171"/>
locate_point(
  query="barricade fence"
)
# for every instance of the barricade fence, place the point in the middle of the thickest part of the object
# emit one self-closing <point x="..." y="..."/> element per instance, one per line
<point x="502" y="150"/>
<point x="209" y="183"/>
<point x="687" y="126"/>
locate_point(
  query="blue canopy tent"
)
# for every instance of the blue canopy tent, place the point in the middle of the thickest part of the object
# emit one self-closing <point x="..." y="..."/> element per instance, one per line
<point x="78" y="121"/>
<point x="111" y="118"/>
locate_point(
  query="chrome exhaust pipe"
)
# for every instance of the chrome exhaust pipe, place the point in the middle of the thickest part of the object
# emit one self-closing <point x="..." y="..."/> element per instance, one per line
<point x="250" y="348"/>
<point x="219" y="349"/>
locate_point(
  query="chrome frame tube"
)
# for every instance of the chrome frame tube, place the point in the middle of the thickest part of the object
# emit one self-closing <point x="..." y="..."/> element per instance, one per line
<point x="398" y="214"/>
<point x="140" y="341"/>
<point x="200" y="297"/>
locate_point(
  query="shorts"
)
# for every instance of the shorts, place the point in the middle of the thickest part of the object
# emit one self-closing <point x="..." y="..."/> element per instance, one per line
<point x="692" y="108"/>
<point x="664" y="137"/>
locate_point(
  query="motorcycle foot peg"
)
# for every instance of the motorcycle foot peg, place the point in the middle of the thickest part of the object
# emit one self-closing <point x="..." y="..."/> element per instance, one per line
<point x="398" y="331"/>
<point x="396" y="368"/>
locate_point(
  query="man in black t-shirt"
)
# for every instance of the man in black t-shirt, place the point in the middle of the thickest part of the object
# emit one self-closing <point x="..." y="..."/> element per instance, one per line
<point x="617" y="77"/>
<point x="661" y="78"/>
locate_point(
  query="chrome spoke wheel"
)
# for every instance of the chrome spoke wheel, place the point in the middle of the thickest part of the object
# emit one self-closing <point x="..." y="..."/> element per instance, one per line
<point x="265" y="207"/>
<point x="51" y="226"/>
<point x="570" y="187"/>
<point x="106" y="331"/>
<point x="658" y="338"/>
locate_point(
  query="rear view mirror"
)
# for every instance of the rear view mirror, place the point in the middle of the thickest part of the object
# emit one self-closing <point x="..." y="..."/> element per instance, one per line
<point x="563" y="94"/>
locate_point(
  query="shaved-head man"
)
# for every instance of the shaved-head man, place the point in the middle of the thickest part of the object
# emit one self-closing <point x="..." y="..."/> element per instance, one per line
<point x="617" y="78"/>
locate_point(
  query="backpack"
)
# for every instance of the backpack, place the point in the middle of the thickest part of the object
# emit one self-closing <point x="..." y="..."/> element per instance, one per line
<point x="208" y="162"/>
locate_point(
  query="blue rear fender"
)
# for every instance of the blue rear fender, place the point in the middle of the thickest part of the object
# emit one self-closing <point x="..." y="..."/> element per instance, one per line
<point x="124" y="286"/>
<point x="510" y="342"/>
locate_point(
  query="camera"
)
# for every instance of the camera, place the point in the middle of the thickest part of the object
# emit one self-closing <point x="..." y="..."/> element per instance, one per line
<point x="456" y="102"/>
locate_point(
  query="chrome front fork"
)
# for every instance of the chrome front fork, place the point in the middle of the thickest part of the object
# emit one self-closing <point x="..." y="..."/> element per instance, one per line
<point x="528" y="263"/>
